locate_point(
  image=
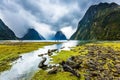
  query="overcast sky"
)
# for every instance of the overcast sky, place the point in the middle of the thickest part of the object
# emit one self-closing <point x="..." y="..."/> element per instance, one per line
<point x="46" y="16"/>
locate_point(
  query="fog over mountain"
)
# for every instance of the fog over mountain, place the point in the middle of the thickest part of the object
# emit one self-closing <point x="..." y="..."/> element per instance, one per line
<point x="45" y="16"/>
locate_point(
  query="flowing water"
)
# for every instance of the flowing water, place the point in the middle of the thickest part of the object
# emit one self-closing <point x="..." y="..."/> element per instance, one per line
<point x="26" y="66"/>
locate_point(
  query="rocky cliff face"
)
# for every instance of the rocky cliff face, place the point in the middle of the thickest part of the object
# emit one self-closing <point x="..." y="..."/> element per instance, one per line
<point x="32" y="35"/>
<point x="101" y="22"/>
<point x="6" y="33"/>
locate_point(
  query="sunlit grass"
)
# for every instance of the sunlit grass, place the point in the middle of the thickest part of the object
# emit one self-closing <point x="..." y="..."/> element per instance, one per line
<point x="64" y="55"/>
<point x="43" y="75"/>
<point x="10" y="51"/>
<point x="77" y="51"/>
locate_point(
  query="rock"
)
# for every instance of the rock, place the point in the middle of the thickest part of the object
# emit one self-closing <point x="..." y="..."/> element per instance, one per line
<point x="117" y="66"/>
<point x="49" y="51"/>
<point x="67" y="68"/>
<point x="20" y="57"/>
<point x="53" y="71"/>
<point x="92" y="65"/>
<point x="87" y="78"/>
<point x="41" y="64"/>
<point x="49" y="54"/>
<point x="73" y="63"/>
<point x="116" y="74"/>
<point x="46" y="53"/>
<point x="53" y="50"/>
<point x="62" y="47"/>
<point x="93" y="74"/>
<point x="40" y="55"/>
<point x="91" y="53"/>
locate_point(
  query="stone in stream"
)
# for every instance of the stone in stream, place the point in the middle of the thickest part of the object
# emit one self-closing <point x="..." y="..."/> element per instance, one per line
<point x="67" y="68"/>
<point x="49" y="52"/>
<point x="41" y="64"/>
<point x="53" y="50"/>
<point x="40" y="55"/>
<point x="46" y="54"/>
<point x="21" y="57"/>
<point x="62" y="47"/>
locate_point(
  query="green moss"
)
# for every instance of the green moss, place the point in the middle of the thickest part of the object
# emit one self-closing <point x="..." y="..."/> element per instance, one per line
<point x="42" y="75"/>
<point x="63" y="55"/>
<point x="82" y="52"/>
<point x="10" y="51"/>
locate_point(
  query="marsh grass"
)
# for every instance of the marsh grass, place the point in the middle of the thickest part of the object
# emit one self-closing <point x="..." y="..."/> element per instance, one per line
<point x="10" y="51"/>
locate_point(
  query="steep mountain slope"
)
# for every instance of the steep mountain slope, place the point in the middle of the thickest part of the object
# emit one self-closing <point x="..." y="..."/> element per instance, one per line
<point x="101" y="22"/>
<point x="60" y="36"/>
<point x="32" y="35"/>
<point x="5" y="32"/>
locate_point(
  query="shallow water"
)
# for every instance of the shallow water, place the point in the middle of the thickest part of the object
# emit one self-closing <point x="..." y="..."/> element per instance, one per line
<point x="25" y="67"/>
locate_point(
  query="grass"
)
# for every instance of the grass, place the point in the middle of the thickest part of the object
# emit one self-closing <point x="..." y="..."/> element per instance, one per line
<point x="10" y="51"/>
<point x="42" y="75"/>
<point x="81" y="50"/>
<point x="64" y="55"/>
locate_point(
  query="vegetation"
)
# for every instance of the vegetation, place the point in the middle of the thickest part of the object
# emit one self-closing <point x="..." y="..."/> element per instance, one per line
<point x="5" y="32"/>
<point x="64" y="55"/>
<point x="103" y="56"/>
<point x="101" y="22"/>
<point x="10" y="51"/>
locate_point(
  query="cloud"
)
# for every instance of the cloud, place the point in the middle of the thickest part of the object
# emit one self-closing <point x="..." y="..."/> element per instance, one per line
<point x="46" y="16"/>
<point x="43" y="29"/>
<point x="68" y="31"/>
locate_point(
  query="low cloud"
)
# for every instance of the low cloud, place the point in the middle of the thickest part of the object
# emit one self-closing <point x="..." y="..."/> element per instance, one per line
<point x="46" y="16"/>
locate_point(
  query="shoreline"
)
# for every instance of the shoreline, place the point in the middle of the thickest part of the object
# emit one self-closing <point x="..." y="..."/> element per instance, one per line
<point x="87" y="52"/>
<point x="10" y="51"/>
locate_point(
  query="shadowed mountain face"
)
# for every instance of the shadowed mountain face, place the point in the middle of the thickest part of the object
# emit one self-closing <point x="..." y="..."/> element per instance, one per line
<point x="32" y="35"/>
<point x="60" y="36"/>
<point x="101" y="22"/>
<point x="6" y="33"/>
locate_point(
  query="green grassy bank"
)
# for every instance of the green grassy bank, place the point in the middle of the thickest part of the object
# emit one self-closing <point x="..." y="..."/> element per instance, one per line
<point x="10" y="51"/>
<point x="105" y="56"/>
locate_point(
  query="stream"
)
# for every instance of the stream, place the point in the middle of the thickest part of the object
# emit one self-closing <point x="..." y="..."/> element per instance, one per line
<point x="25" y="67"/>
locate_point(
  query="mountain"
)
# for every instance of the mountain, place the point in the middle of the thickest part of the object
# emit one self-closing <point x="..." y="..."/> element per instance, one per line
<point x="6" y="33"/>
<point x="60" y="36"/>
<point x="32" y="35"/>
<point x="101" y="22"/>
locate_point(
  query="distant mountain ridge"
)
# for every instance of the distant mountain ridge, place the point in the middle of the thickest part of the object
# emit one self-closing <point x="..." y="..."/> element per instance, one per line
<point x="100" y="22"/>
<point x="60" y="36"/>
<point x="32" y="35"/>
<point x="6" y="33"/>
